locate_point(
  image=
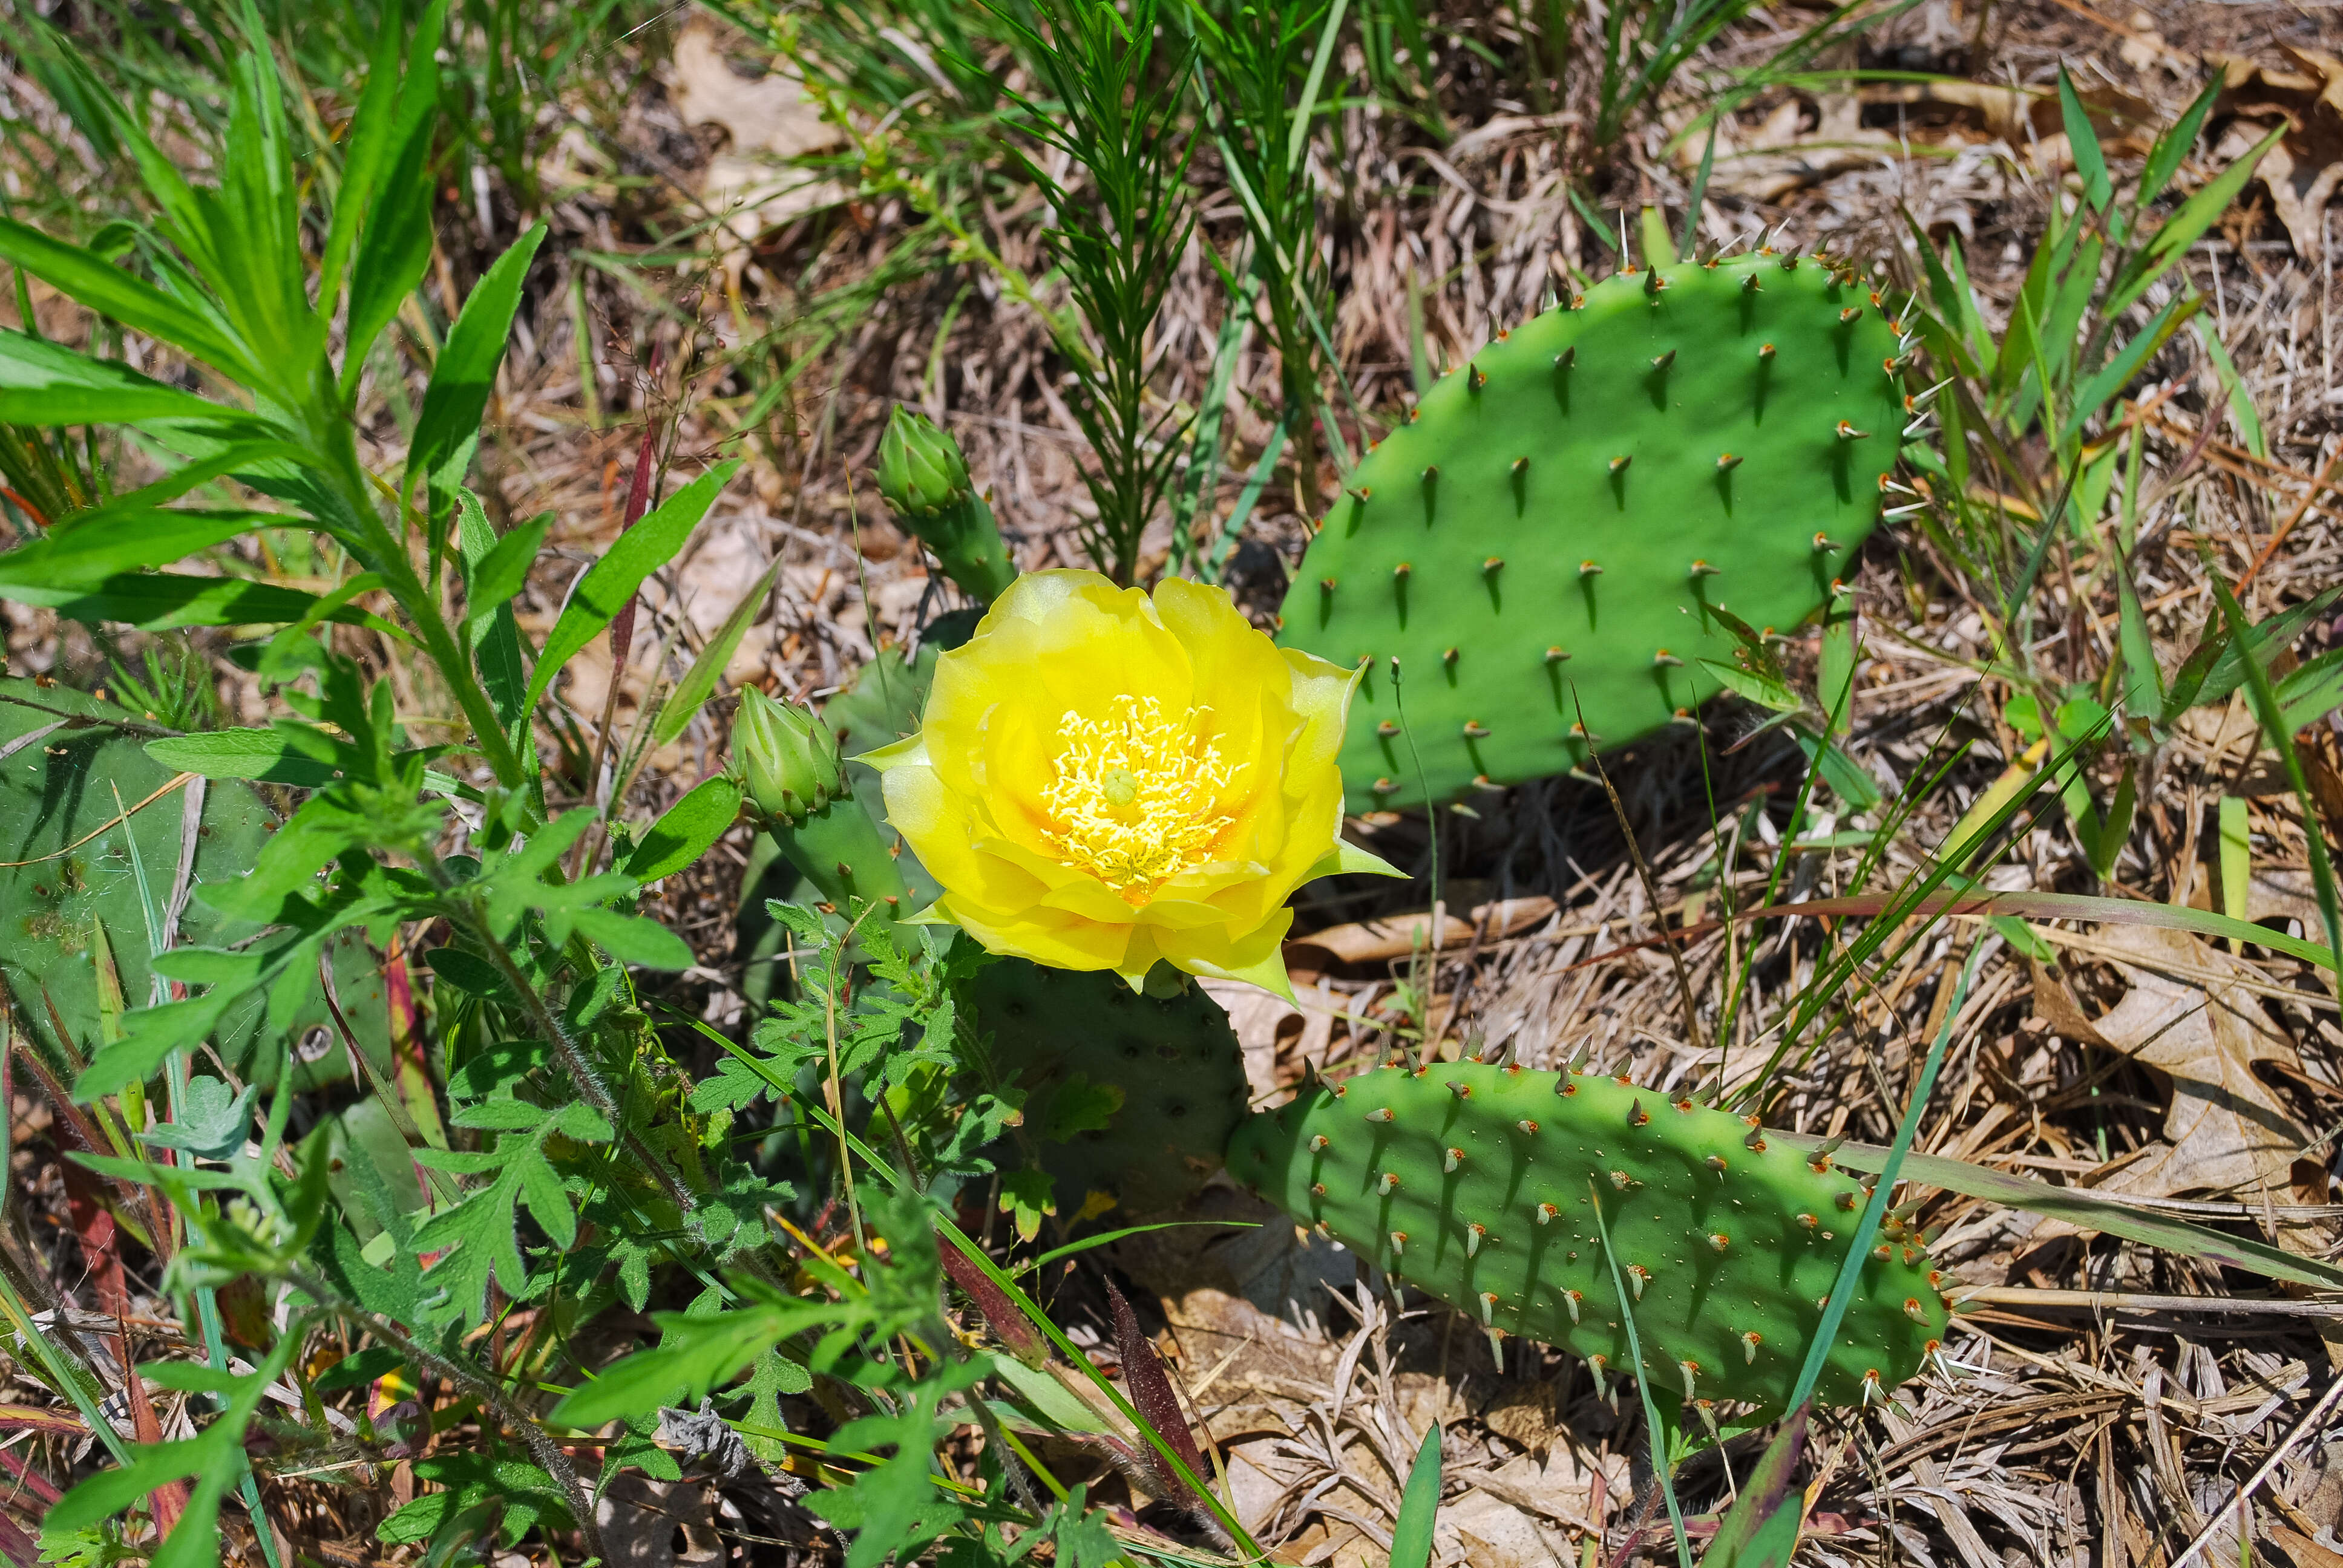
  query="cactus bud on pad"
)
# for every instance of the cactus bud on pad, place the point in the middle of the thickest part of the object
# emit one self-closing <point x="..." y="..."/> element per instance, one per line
<point x="1728" y="1246"/>
<point x="1631" y="461"/>
<point x="925" y="479"/>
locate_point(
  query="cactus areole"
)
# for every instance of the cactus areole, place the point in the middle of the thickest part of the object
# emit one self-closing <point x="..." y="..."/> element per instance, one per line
<point x="1477" y="1184"/>
<point x="1539" y="547"/>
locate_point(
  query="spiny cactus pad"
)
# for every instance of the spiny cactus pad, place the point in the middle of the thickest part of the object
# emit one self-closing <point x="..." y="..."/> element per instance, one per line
<point x="1174" y="1058"/>
<point x="1538" y="546"/>
<point x="1476" y="1183"/>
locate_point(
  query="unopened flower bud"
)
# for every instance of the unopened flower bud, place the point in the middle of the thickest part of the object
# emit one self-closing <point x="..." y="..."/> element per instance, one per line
<point x="920" y="467"/>
<point x="787" y="756"/>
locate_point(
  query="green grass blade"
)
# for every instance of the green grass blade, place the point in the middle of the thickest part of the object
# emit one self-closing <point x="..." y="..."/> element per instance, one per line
<point x="1652" y="1422"/>
<point x="1859" y="1246"/>
<point x="1419" y="1505"/>
<point x="1217" y="558"/>
<point x="2273" y="719"/>
<point x="2088" y="1210"/>
<point x="1297" y="136"/>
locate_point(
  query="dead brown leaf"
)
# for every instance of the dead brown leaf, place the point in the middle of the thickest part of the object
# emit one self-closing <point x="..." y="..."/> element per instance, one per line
<point x="2306" y="1552"/>
<point x="2226" y="1131"/>
<point x="1375" y="941"/>
<point x="2055" y="1002"/>
<point x="2303" y="171"/>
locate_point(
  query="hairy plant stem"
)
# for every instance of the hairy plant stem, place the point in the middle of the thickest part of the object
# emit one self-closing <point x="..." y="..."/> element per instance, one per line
<point x="492" y="1397"/>
<point x="573" y="1059"/>
<point x="406" y="585"/>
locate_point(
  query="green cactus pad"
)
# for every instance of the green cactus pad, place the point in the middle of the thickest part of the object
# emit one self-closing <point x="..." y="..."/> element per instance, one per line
<point x="63" y="790"/>
<point x="1537" y="547"/>
<point x="1476" y="1183"/>
<point x="1174" y="1058"/>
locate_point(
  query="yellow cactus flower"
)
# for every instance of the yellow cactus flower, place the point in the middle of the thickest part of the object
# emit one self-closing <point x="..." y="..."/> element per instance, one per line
<point x="1103" y="780"/>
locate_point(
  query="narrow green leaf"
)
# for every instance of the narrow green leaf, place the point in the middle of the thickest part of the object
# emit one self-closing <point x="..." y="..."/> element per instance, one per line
<point x="1298" y="132"/>
<point x="2143" y="677"/>
<point x="700" y="679"/>
<point x="2088" y="1210"/>
<point x="503" y="572"/>
<point x="686" y="830"/>
<point x="156" y="601"/>
<point x="396" y="251"/>
<point x="2312" y="692"/>
<point x="1953" y="307"/>
<point x="258" y="272"/>
<point x="1747" y="1531"/>
<point x="81" y="558"/>
<point x="2216" y="668"/>
<point x="611" y="581"/>
<point x="496" y="639"/>
<point x="116" y="294"/>
<point x="290" y="753"/>
<point x="2273" y="720"/>
<point x="2082" y="142"/>
<point x="43" y="384"/>
<point x="2112" y="377"/>
<point x="1419" y="1505"/>
<point x="465" y="372"/>
<point x="2239" y="397"/>
<point x="2164" y="157"/>
<point x="2181" y="231"/>
<point x="366" y="148"/>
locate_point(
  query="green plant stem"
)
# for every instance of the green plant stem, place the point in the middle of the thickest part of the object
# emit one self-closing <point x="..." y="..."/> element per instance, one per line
<point x="533" y="1436"/>
<point x="581" y="1071"/>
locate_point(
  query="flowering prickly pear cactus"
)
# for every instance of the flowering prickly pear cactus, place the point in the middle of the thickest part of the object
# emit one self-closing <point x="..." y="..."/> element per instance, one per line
<point x="1477" y="1184"/>
<point x="1540" y="545"/>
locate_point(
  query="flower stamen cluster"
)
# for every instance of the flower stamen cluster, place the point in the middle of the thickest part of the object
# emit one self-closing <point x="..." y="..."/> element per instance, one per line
<point x="1133" y="793"/>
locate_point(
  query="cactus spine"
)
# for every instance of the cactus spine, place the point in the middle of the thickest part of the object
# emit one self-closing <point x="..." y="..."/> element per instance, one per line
<point x="1477" y="1182"/>
<point x="1539" y="547"/>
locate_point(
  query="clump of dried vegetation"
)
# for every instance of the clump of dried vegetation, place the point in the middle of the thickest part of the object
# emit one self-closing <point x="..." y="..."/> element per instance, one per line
<point x="771" y="225"/>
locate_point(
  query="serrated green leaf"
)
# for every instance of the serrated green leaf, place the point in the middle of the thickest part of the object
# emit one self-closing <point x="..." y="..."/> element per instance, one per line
<point x="694" y="1356"/>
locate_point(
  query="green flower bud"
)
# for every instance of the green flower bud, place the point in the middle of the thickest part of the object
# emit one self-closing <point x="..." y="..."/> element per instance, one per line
<point x="920" y="467"/>
<point x="788" y="758"/>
